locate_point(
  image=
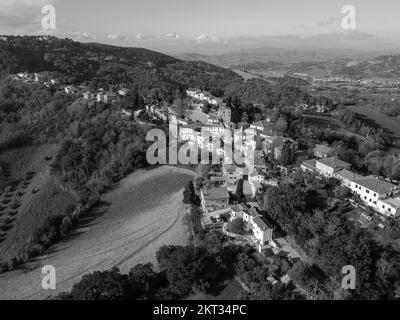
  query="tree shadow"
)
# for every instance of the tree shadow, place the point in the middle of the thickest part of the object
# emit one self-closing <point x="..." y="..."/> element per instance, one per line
<point x="88" y="220"/>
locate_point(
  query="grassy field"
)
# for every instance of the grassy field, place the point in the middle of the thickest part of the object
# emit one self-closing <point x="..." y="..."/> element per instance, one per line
<point x="251" y="75"/>
<point x="33" y="198"/>
<point x="324" y="121"/>
<point x="377" y="119"/>
<point x="142" y="213"/>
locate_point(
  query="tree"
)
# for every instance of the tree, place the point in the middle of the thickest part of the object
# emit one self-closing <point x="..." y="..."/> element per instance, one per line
<point x="281" y="125"/>
<point x="341" y="192"/>
<point x="189" y="195"/>
<point x="287" y="155"/>
<point x="239" y="190"/>
<point x="102" y="285"/>
<point x="132" y="101"/>
<point x="147" y="282"/>
<point x="236" y="116"/>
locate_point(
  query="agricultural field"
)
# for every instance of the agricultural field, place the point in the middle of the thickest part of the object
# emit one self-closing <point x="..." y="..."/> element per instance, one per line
<point x="377" y="119"/>
<point x="324" y="121"/>
<point x="142" y="213"/>
<point x="253" y="75"/>
<point x="30" y="197"/>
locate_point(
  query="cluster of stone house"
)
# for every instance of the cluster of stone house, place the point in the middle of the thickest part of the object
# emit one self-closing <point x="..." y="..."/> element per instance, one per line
<point x="203" y="96"/>
<point x="380" y="195"/>
<point x="215" y="201"/>
<point x="105" y="96"/>
<point x="34" y="78"/>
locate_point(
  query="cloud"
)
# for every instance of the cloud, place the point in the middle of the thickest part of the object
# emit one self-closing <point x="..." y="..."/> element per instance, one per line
<point x="205" y="38"/>
<point x="172" y="35"/>
<point x="114" y="36"/>
<point x="143" y="37"/>
<point x="22" y="15"/>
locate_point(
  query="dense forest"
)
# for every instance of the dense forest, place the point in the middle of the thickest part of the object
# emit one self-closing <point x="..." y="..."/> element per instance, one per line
<point x="309" y="209"/>
<point x="98" y="65"/>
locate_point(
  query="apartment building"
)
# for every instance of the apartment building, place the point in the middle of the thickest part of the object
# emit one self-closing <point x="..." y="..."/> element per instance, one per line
<point x="377" y="193"/>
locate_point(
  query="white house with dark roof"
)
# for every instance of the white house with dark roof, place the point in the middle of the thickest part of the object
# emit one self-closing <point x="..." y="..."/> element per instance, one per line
<point x="262" y="231"/>
<point x="309" y="165"/>
<point x="346" y="177"/>
<point x="214" y="198"/>
<point x="257" y="175"/>
<point x="378" y="194"/>
<point x="390" y="207"/>
<point x="329" y="166"/>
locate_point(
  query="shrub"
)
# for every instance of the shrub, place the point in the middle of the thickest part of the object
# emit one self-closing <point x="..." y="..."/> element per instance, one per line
<point x="3" y="267"/>
<point x="35" y="250"/>
<point x="50" y="232"/>
<point x="66" y="226"/>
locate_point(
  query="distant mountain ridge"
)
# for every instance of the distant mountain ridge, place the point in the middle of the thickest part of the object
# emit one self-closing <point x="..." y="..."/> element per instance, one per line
<point x="79" y="62"/>
<point x="279" y="55"/>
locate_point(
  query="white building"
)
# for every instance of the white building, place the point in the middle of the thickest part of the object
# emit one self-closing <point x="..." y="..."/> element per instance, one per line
<point x="329" y="166"/>
<point x="378" y="194"/>
<point x="70" y="89"/>
<point x="123" y="92"/>
<point x="262" y="232"/>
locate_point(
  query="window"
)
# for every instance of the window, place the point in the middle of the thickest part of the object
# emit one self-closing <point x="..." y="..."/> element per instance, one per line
<point x="390" y="210"/>
<point x="383" y="206"/>
<point x="367" y="191"/>
<point x="374" y="194"/>
<point x="374" y="202"/>
<point x="365" y="198"/>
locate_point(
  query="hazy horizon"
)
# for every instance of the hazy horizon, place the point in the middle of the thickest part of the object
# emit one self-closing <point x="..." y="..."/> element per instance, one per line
<point x="211" y="27"/>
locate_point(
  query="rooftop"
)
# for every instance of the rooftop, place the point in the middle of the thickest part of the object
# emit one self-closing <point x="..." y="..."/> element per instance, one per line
<point x="394" y="202"/>
<point x="215" y="193"/>
<point x="346" y="174"/>
<point x="261" y="223"/>
<point x="376" y="185"/>
<point x="239" y="207"/>
<point x="311" y="164"/>
<point x="334" y="162"/>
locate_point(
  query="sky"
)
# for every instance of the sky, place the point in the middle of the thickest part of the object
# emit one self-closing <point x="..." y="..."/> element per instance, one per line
<point x="183" y="23"/>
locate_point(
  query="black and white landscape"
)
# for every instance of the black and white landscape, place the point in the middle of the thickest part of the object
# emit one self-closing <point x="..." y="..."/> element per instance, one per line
<point x="213" y="150"/>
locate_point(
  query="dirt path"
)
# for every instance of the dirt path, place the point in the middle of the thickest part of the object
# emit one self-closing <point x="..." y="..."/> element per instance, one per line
<point x="141" y="214"/>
